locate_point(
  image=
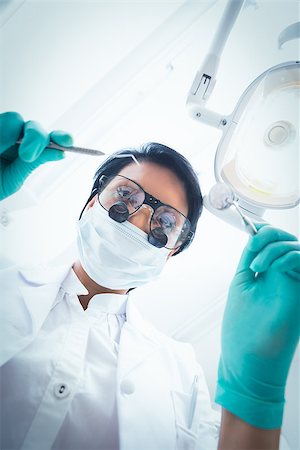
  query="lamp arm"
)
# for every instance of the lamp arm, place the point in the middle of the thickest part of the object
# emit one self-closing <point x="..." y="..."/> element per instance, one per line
<point x="205" y="79"/>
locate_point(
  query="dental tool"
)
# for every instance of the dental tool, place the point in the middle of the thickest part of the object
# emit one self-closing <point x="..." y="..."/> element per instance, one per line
<point x="73" y="149"/>
<point x="222" y="196"/>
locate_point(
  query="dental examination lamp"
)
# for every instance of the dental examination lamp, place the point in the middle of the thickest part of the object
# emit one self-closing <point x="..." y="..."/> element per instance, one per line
<point x="257" y="160"/>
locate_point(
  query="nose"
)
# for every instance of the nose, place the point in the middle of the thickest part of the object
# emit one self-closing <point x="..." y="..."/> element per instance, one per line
<point x="141" y="218"/>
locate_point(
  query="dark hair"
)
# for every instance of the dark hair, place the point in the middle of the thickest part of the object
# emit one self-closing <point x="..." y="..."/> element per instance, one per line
<point x="166" y="157"/>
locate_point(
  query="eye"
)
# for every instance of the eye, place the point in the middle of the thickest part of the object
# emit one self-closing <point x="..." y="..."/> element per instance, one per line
<point x="166" y="220"/>
<point x="124" y="192"/>
<point x="128" y="195"/>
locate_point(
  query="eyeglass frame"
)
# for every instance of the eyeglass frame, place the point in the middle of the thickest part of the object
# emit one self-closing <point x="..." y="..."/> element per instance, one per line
<point x="149" y="200"/>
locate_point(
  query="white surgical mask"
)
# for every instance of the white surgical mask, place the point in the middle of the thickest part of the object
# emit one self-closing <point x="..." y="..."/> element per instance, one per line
<point x="117" y="255"/>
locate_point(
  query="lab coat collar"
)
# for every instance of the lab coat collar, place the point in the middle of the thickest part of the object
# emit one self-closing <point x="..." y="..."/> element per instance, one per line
<point x="139" y="339"/>
<point x="72" y="285"/>
<point x="44" y="282"/>
<point x="46" y="279"/>
<point x="108" y="303"/>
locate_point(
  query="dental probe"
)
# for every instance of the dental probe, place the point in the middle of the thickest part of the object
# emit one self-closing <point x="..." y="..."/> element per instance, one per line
<point x="222" y="197"/>
<point x="83" y="150"/>
<point x="251" y="228"/>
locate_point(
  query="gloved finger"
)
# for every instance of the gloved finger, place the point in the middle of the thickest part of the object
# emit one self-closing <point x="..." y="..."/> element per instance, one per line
<point x="288" y="262"/>
<point x="17" y="171"/>
<point x="266" y="235"/>
<point x="248" y="255"/>
<point x="11" y="125"/>
<point x="35" y="140"/>
<point x="271" y="252"/>
<point x="61" y="138"/>
<point x="47" y="156"/>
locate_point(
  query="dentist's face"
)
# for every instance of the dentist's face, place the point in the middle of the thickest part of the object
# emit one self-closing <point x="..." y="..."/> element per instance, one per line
<point x="160" y="182"/>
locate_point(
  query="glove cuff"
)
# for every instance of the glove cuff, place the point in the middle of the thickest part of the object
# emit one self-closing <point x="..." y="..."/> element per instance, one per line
<point x="254" y="411"/>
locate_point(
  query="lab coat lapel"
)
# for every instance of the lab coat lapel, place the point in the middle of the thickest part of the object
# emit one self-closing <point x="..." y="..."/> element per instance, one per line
<point x="40" y="291"/>
<point x="138" y="341"/>
<point x="37" y="291"/>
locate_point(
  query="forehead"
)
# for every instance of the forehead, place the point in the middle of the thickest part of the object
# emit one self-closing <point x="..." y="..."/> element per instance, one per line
<point x="160" y="182"/>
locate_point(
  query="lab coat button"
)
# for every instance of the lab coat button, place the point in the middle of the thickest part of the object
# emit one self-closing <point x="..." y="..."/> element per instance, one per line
<point x="61" y="390"/>
<point x="127" y="387"/>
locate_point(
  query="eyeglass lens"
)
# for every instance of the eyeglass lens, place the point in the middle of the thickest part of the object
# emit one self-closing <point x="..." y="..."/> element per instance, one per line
<point x="174" y="224"/>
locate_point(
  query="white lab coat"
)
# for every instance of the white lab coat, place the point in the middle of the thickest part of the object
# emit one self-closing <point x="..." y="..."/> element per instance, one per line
<point x="155" y="374"/>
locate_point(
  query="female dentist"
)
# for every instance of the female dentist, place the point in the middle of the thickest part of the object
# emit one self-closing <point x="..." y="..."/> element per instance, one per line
<point x="82" y="370"/>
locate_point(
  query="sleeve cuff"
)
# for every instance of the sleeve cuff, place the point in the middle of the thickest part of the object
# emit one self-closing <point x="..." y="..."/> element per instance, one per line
<point x="256" y="412"/>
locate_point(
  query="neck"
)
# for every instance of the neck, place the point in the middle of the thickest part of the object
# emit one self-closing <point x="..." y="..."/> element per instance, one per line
<point x="92" y="287"/>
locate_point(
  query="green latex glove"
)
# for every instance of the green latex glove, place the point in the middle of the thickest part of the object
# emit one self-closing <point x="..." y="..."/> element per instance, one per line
<point x="260" y="329"/>
<point x="17" y="162"/>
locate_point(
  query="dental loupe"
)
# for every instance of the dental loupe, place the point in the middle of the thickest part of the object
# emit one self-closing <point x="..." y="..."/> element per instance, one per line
<point x="119" y="212"/>
<point x="257" y="159"/>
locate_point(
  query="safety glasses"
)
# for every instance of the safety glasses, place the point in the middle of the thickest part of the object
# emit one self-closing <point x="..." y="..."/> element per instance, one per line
<point x="122" y="197"/>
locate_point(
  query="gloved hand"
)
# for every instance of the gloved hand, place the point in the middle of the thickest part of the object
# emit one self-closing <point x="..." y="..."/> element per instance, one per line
<point x="260" y="329"/>
<point x="17" y="163"/>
